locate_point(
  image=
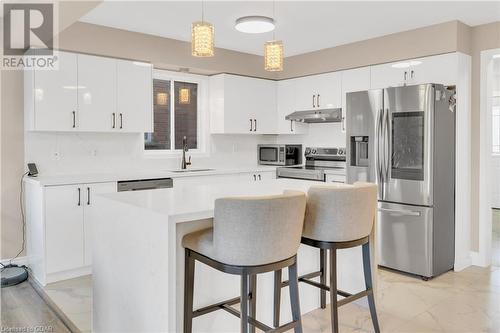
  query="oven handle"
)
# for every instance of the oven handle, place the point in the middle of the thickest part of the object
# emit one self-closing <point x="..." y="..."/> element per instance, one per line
<point x="400" y="212"/>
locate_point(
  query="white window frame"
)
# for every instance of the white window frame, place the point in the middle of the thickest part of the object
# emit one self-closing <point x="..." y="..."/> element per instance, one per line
<point x="202" y="114"/>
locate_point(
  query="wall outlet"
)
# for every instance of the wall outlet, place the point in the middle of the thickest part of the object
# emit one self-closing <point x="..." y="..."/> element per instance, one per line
<point x="56" y="155"/>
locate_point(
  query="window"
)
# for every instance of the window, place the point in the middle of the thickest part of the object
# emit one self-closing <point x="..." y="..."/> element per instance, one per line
<point x="175" y="114"/>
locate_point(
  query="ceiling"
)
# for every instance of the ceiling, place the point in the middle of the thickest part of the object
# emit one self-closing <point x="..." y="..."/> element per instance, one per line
<point x="304" y="26"/>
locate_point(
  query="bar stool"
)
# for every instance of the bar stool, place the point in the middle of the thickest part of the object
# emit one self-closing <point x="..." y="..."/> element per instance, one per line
<point x="337" y="217"/>
<point x="250" y="235"/>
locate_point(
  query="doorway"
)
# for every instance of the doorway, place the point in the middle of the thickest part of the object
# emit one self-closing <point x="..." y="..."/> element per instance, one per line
<point x="489" y="197"/>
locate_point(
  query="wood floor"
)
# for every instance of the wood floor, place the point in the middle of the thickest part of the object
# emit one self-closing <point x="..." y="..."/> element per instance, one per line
<point x="22" y="307"/>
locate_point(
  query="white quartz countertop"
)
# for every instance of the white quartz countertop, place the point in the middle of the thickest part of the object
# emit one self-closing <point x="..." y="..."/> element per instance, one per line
<point x="188" y="203"/>
<point x="86" y="178"/>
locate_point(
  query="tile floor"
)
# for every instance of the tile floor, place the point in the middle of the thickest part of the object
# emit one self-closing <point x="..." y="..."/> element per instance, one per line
<point x="467" y="301"/>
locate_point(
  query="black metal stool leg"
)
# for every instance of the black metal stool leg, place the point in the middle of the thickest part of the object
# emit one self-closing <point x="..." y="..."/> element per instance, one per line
<point x="322" y="278"/>
<point x="189" y="265"/>
<point x="294" y="297"/>
<point x="277" y="298"/>
<point x="244" y="304"/>
<point x="369" y="285"/>
<point x="253" y="299"/>
<point x="333" y="291"/>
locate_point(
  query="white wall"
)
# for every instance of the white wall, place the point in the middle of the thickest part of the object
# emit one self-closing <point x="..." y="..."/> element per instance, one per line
<point x="319" y="135"/>
<point x="68" y="153"/>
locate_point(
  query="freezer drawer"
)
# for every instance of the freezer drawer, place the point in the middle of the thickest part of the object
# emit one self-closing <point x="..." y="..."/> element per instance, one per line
<point x="405" y="238"/>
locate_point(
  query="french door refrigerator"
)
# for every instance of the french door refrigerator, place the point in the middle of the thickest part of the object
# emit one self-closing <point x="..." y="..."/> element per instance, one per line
<point x="403" y="138"/>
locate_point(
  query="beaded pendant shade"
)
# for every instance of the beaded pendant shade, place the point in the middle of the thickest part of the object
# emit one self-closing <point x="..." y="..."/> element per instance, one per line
<point x="202" y="39"/>
<point x="273" y="56"/>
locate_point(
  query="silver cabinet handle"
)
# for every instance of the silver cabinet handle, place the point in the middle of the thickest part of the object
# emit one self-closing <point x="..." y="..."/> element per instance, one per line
<point x="79" y="197"/>
<point x="317" y="101"/>
<point x="314" y="97"/>
<point x="412" y="74"/>
<point x="121" y="120"/>
<point x="254" y="177"/>
<point x="260" y="178"/>
<point x="88" y="196"/>
<point x="400" y="211"/>
<point x="251" y="125"/>
<point x="291" y="125"/>
<point x="255" y="125"/>
<point x="74" y="118"/>
<point x="114" y="120"/>
<point x="405" y="76"/>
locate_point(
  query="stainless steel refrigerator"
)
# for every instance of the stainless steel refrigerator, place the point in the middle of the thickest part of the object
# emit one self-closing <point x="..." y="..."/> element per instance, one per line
<point x="403" y="138"/>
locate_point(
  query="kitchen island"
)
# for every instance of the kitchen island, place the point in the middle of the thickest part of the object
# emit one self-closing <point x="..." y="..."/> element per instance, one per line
<point x="138" y="262"/>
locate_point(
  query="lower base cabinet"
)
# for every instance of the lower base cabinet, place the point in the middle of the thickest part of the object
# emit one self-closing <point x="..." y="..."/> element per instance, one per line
<point x="59" y="222"/>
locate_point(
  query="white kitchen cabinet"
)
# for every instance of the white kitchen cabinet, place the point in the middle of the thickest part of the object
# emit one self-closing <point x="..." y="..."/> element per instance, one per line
<point x="286" y="105"/>
<point x="434" y="69"/>
<point x="96" y="93"/>
<point x="59" y="223"/>
<point x="90" y="214"/>
<point x="321" y="91"/>
<point x="64" y="228"/>
<point x="204" y="180"/>
<point x="134" y="93"/>
<point x="258" y="176"/>
<point x="53" y="93"/>
<point x="353" y="80"/>
<point x="333" y="178"/>
<point x="89" y="94"/>
<point x="242" y="105"/>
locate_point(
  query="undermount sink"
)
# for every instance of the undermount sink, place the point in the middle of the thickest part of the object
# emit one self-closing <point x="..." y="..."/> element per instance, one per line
<point x="192" y="170"/>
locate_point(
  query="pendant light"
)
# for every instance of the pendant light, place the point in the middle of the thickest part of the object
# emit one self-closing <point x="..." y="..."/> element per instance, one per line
<point x="273" y="52"/>
<point x="202" y="37"/>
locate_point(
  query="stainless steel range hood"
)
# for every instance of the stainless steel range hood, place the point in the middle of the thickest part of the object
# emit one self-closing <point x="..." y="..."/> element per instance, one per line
<point x="317" y="116"/>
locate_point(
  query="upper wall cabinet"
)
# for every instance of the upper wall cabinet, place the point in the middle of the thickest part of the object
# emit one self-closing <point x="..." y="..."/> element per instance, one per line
<point x="436" y="69"/>
<point x="318" y="91"/>
<point x="353" y="80"/>
<point x="89" y="94"/>
<point x="286" y="105"/>
<point x="241" y="104"/>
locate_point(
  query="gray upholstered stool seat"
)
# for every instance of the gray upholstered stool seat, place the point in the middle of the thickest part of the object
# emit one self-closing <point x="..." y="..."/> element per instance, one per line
<point x="337" y="217"/>
<point x="251" y="235"/>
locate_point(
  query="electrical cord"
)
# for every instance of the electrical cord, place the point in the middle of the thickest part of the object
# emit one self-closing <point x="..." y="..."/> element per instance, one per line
<point x="23" y="246"/>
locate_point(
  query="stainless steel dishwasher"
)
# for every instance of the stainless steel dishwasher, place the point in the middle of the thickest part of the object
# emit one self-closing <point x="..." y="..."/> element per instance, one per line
<point x="144" y="184"/>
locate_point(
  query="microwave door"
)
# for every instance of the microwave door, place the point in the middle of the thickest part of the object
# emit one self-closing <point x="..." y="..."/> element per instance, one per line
<point x="407" y="145"/>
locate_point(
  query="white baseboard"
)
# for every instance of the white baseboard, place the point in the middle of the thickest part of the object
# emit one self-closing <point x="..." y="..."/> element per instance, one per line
<point x="478" y="260"/>
<point x="461" y="264"/>
<point x="18" y="261"/>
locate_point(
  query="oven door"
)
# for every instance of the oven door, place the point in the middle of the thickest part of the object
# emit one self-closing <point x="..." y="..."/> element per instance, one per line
<point x="271" y="155"/>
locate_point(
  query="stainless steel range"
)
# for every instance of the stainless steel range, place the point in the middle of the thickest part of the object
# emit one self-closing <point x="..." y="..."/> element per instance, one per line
<point x="318" y="162"/>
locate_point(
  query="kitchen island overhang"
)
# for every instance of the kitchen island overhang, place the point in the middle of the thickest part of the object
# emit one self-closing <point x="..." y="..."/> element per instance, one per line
<point x="138" y="262"/>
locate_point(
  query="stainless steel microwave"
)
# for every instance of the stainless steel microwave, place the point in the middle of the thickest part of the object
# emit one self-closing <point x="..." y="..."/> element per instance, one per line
<point x="279" y="154"/>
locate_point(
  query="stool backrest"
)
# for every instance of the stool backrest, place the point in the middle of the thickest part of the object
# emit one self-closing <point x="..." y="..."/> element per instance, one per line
<point x="340" y="213"/>
<point x="258" y="230"/>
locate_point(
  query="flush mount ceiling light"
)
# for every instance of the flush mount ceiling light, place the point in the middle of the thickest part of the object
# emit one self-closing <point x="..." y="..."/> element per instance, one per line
<point x="202" y="37"/>
<point x="254" y="24"/>
<point x="406" y="64"/>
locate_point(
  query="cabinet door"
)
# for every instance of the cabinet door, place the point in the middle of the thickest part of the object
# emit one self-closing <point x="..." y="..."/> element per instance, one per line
<point x="134" y="96"/>
<point x="353" y="80"/>
<point x="388" y="75"/>
<point x="90" y="196"/>
<point x="305" y="93"/>
<point x="64" y="227"/>
<point x="55" y="94"/>
<point x="267" y="175"/>
<point x="264" y="107"/>
<point x="96" y="93"/>
<point x="285" y="106"/>
<point x="441" y="69"/>
<point x="328" y="90"/>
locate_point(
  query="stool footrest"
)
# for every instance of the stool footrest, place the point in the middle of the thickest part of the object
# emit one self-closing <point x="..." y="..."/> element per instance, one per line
<point x="215" y="307"/>
<point x="354" y="297"/>
<point x="261" y="326"/>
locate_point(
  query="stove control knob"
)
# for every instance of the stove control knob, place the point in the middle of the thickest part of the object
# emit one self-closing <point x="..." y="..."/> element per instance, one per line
<point x="314" y="151"/>
<point x="308" y="151"/>
<point x="341" y="152"/>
